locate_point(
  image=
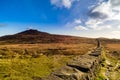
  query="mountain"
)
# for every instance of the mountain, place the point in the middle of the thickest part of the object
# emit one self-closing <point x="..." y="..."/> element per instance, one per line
<point x="33" y="36"/>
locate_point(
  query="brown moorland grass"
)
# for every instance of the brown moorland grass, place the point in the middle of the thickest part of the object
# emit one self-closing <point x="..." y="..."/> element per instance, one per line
<point x="113" y="51"/>
<point x="113" y="47"/>
<point x="25" y="61"/>
<point x="53" y="48"/>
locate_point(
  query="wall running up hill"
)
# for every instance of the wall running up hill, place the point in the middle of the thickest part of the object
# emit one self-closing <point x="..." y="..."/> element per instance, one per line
<point x="82" y="67"/>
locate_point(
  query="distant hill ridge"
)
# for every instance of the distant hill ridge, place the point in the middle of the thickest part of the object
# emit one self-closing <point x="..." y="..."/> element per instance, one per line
<point x="34" y="36"/>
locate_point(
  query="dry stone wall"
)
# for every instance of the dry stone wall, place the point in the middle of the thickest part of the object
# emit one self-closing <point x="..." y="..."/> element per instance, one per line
<point x="82" y="67"/>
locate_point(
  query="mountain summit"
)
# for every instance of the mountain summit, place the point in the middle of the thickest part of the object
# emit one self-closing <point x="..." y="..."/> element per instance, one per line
<point x="33" y="36"/>
<point x="32" y="32"/>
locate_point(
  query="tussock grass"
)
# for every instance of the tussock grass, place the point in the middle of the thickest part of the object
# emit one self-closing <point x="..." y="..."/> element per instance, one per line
<point x="20" y="69"/>
<point x="27" y="61"/>
<point x="110" y="66"/>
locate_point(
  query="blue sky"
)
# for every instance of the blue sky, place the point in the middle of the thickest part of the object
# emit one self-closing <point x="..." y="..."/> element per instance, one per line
<point x="86" y="18"/>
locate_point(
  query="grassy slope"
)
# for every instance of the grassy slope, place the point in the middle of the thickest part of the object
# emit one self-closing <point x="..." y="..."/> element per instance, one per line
<point x="18" y="63"/>
<point x="110" y="68"/>
<point x="25" y="69"/>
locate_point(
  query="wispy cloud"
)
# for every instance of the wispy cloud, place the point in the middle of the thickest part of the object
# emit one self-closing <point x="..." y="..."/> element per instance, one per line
<point x="74" y="23"/>
<point x="3" y="25"/>
<point x="77" y="21"/>
<point x="114" y="34"/>
<point x="79" y="27"/>
<point x="104" y="15"/>
<point x="99" y="16"/>
<point x="63" y="3"/>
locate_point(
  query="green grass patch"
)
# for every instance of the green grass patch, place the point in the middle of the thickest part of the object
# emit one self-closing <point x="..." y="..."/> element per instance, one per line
<point x="26" y="68"/>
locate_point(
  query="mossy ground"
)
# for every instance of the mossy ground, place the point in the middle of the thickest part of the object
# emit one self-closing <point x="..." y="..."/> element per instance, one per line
<point x="110" y="67"/>
<point x="26" y="68"/>
<point x="25" y="61"/>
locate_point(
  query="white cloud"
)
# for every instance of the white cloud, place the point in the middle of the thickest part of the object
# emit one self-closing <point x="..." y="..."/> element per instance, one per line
<point x="63" y="3"/>
<point x="119" y="27"/>
<point x="104" y="20"/>
<point x="74" y="23"/>
<point x="56" y="3"/>
<point x="115" y="34"/>
<point x="103" y="8"/>
<point x="97" y="24"/>
<point x="79" y="27"/>
<point x="77" y="21"/>
<point x="105" y="16"/>
<point x="115" y="3"/>
<point x="67" y="3"/>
